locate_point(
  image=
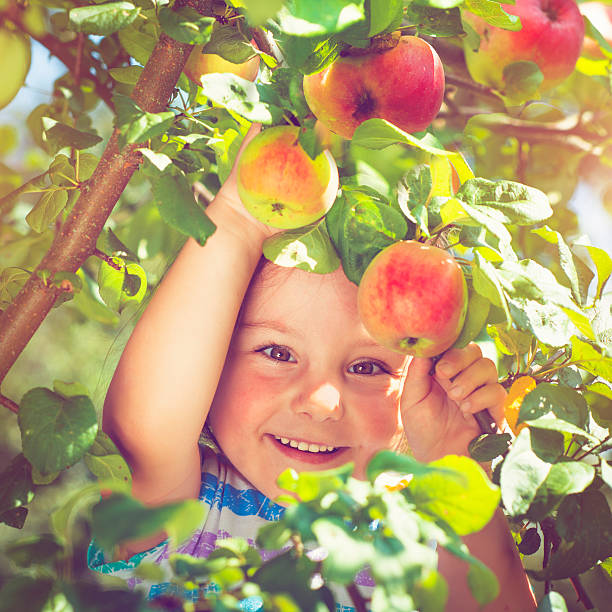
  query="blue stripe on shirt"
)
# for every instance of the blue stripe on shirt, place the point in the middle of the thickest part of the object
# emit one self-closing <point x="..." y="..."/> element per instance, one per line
<point x="242" y="502"/>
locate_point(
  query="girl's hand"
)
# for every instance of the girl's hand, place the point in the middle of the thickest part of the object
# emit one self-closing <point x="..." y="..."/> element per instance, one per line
<point x="437" y="410"/>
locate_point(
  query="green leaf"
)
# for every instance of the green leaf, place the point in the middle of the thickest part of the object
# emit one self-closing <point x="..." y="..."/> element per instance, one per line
<point x="48" y="207"/>
<point x="186" y="25"/>
<point x="25" y="593"/>
<point x="521" y="81"/>
<point x="308" y="248"/>
<point x="59" y="135"/>
<point x="120" y="517"/>
<point x="477" y="314"/>
<point x="55" y="431"/>
<point x="312" y="485"/>
<point x="563" y="479"/>
<point x="379" y="134"/>
<point x="522" y="473"/>
<point x="606" y="472"/>
<point x="381" y="15"/>
<point x="118" y="288"/>
<point x="319" y="17"/>
<point x="483" y="583"/>
<point x="231" y="44"/>
<point x="566" y="258"/>
<point x="587" y="357"/>
<point x="486" y="282"/>
<point x="584" y="523"/>
<point x="431" y="592"/>
<point x="108" y="467"/>
<point x="179" y="209"/>
<point x="552" y="602"/>
<point x="103" y="19"/>
<point x="493" y="13"/>
<point x="518" y="203"/>
<point x="16" y="487"/>
<point x="137" y="125"/>
<point x="439" y="18"/>
<point x="139" y="41"/>
<point x="273" y="536"/>
<point x="34" y="550"/>
<point x="530" y="542"/>
<point x="11" y="282"/>
<point x="486" y="447"/>
<point x="551" y="423"/>
<point x="361" y="224"/>
<point x="240" y="96"/>
<point x="464" y="498"/>
<point x="389" y="461"/>
<point x="128" y="75"/>
<point x="603" y="265"/>
<point x="563" y="402"/>
<point x="346" y="552"/>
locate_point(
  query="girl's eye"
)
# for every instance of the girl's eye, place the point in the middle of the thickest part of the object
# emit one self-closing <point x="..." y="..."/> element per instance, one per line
<point x="368" y="368"/>
<point x="278" y="353"/>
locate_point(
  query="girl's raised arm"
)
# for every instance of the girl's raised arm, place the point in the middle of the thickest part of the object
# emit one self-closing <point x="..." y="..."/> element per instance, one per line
<point x="163" y="386"/>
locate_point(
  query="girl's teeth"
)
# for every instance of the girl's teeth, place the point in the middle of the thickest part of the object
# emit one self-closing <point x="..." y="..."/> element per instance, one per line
<point x="304" y="446"/>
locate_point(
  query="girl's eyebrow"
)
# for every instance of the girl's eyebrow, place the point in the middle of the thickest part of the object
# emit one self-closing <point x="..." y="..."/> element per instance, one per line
<point x="265" y="324"/>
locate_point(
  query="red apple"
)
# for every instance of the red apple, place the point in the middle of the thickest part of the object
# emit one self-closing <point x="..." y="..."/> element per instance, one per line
<point x="198" y="64"/>
<point x="404" y="85"/>
<point x="551" y="36"/>
<point x="600" y="15"/>
<point x="412" y="298"/>
<point x="280" y="185"/>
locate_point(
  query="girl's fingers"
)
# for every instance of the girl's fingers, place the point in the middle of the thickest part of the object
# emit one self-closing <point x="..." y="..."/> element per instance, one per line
<point x="479" y="373"/>
<point x="489" y="397"/>
<point x="455" y="360"/>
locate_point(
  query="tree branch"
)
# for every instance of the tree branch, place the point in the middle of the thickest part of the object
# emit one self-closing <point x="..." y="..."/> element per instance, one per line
<point x="76" y="240"/>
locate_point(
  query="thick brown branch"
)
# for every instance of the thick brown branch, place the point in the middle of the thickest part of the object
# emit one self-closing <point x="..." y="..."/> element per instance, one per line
<point x="77" y="238"/>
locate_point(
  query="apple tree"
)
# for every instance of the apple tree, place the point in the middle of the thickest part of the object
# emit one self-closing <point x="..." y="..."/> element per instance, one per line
<point x="473" y="138"/>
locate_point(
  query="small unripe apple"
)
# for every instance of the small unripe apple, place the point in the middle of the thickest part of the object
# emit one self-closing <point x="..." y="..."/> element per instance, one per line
<point x="412" y="298"/>
<point x="404" y="85"/>
<point x="280" y="184"/>
<point x="551" y="36"/>
<point x="198" y="64"/>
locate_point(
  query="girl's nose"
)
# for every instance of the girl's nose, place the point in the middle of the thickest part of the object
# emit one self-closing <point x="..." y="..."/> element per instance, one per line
<point x="321" y="403"/>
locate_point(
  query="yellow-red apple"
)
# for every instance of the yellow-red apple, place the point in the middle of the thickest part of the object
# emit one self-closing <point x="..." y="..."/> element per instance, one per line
<point x="198" y="64"/>
<point x="412" y="298"/>
<point x="280" y="185"/>
<point x="551" y="36"/>
<point x="600" y="15"/>
<point x="404" y="85"/>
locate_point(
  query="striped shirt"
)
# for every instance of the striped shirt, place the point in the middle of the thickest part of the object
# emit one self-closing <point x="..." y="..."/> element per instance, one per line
<point x="236" y="510"/>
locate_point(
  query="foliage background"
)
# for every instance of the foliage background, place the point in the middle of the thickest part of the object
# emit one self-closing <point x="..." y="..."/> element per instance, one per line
<point x="90" y="348"/>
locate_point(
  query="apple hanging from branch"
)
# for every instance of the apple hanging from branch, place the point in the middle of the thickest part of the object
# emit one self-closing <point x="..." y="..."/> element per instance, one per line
<point x="551" y="36"/>
<point x="198" y="64"/>
<point x="280" y="184"/>
<point x="412" y="298"/>
<point x="403" y="84"/>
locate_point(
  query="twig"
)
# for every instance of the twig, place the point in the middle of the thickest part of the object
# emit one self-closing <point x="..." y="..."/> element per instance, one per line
<point x="9" y="403"/>
<point x="356" y="597"/>
<point x="583" y="596"/>
<point x="592" y="449"/>
<point x="109" y="260"/>
<point x="201" y="191"/>
<point x="483" y="90"/>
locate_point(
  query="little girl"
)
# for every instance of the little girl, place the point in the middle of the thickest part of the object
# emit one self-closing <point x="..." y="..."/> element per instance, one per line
<point x="277" y="364"/>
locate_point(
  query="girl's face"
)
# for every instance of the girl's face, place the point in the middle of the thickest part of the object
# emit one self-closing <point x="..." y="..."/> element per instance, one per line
<point x="304" y="386"/>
